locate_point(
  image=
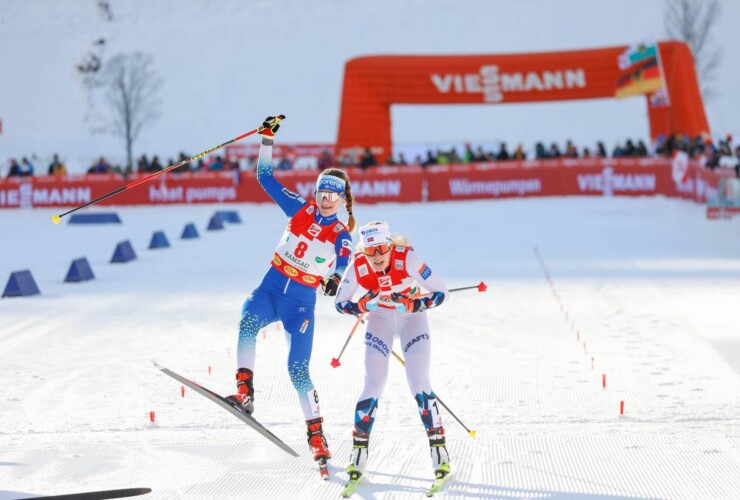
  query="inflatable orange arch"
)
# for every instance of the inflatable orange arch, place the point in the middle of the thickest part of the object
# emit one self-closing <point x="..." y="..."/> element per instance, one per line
<point x="372" y="84"/>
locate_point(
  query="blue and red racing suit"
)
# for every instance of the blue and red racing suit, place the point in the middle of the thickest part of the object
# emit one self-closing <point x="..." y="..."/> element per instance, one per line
<point x="309" y="246"/>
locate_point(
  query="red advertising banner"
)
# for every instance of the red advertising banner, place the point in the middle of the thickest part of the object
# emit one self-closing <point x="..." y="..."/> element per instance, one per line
<point x="381" y="184"/>
<point x="560" y="178"/>
<point x="566" y="177"/>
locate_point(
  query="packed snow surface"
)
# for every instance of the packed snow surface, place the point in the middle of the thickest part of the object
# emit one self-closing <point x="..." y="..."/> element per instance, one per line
<point x="641" y="291"/>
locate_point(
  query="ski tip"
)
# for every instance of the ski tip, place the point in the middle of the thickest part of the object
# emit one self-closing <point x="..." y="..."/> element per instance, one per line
<point x="56" y="218"/>
<point x="482" y="287"/>
<point x="335" y="362"/>
<point x="472" y="434"/>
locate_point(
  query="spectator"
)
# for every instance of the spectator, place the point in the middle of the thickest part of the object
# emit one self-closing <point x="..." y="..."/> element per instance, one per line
<point x="468" y="156"/>
<point x="710" y="157"/>
<point x="155" y="166"/>
<point x="617" y="152"/>
<point x="401" y="159"/>
<point x="252" y="163"/>
<point x="554" y="151"/>
<point x="601" y="150"/>
<point x="641" y="149"/>
<point x="233" y="164"/>
<point x="325" y="160"/>
<point x="284" y="164"/>
<point x="454" y="157"/>
<point x="503" y="153"/>
<point x="15" y="169"/>
<point x="199" y="166"/>
<point x="56" y="167"/>
<point x="480" y="155"/>
<point x="26" y="167"/>
<point x="586" y="152"/>
<point x="539" y="151"/>
<point x="519" y="153"/>
<point x="367" y="159"/>
<point x="629" y="148"/>
<point x="216" y="165"/>
<point x="442" y="158"/>
<point x="99" y="167"/>
<point x="143" y="164"/>
<point x="571" y="151"/>
<point x="431" y="159"/>
<point x="186" y="167"/>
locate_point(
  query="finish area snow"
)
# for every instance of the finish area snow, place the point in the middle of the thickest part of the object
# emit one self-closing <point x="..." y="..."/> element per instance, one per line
<point x="641" y="294"/>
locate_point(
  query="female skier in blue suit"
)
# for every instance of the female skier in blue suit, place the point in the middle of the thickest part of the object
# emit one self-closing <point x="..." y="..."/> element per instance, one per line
<point x="313" y="240"/>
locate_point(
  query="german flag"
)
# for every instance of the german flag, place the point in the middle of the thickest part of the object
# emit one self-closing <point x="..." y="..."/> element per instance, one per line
<point x="643" y="79"/>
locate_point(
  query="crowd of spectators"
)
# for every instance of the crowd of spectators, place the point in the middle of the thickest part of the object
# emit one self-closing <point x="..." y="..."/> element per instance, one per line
<point x="710" y="155"/>
<point x="725" y="153"/>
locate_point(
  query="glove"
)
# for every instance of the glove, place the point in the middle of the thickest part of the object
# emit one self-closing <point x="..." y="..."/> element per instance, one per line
<point x="404" y="303"/>
<point x="366" y="302"/>
<point x="269" y="128"/>
<point x="331" y="284"/>
<point x="407" y="304"/>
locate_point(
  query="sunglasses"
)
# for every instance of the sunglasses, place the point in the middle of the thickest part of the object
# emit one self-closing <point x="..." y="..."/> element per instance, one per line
<point x="377" y="249"/>
<point x="329" y="196"/>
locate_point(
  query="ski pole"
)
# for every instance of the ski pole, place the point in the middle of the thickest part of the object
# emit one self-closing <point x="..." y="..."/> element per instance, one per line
<point x="482" y="287"/>
<point x="335" y="361"/>
<point x="471" y="433"/>
<point x="57" y="218"/>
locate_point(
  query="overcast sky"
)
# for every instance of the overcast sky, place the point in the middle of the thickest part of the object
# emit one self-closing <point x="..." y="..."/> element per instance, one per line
<point x="225" y="65"/>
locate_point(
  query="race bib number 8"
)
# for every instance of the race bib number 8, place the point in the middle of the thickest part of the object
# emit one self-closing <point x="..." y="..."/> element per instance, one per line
<point x="300" y="249"/>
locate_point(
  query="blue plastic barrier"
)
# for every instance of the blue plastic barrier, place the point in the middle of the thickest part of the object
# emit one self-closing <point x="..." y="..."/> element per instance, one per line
<point x="21" y="284"/>
<point x="95" y="218"/>
<point x="189" y="232"/>
<point x="215" y="223"/>
<point x="80" y="270"/>
<point x="124" y="252"/>
<point x="230" y="216"/>
<point x="159" y="240"/>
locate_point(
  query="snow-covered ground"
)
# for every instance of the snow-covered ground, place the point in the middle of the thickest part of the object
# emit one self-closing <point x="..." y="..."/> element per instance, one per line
<point x="646" y="288"/>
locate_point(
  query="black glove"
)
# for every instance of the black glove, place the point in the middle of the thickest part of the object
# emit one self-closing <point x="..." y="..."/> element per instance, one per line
<point x="331" y="284"/>
<point x="269" y="128"/>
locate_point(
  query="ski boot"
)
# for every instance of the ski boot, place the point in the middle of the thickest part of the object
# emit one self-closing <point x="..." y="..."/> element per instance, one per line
<point x="244" y="398"/>
<point x="316" y="440"/>
<point x="438" y="450"/>
<point x="358" y="459"/>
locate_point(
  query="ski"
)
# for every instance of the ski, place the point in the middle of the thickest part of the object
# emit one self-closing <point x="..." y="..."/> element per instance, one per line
<point x="323" y="468"/>
<point x="351" y="486"/>
<point x="99" y="495"/>
<point x="223" y="403"/>
<point x="437" y="485"/>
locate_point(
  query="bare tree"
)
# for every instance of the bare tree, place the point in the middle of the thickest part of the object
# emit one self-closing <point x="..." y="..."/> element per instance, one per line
<point x="131" y="84"/>
<point x="694" y="22"/>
